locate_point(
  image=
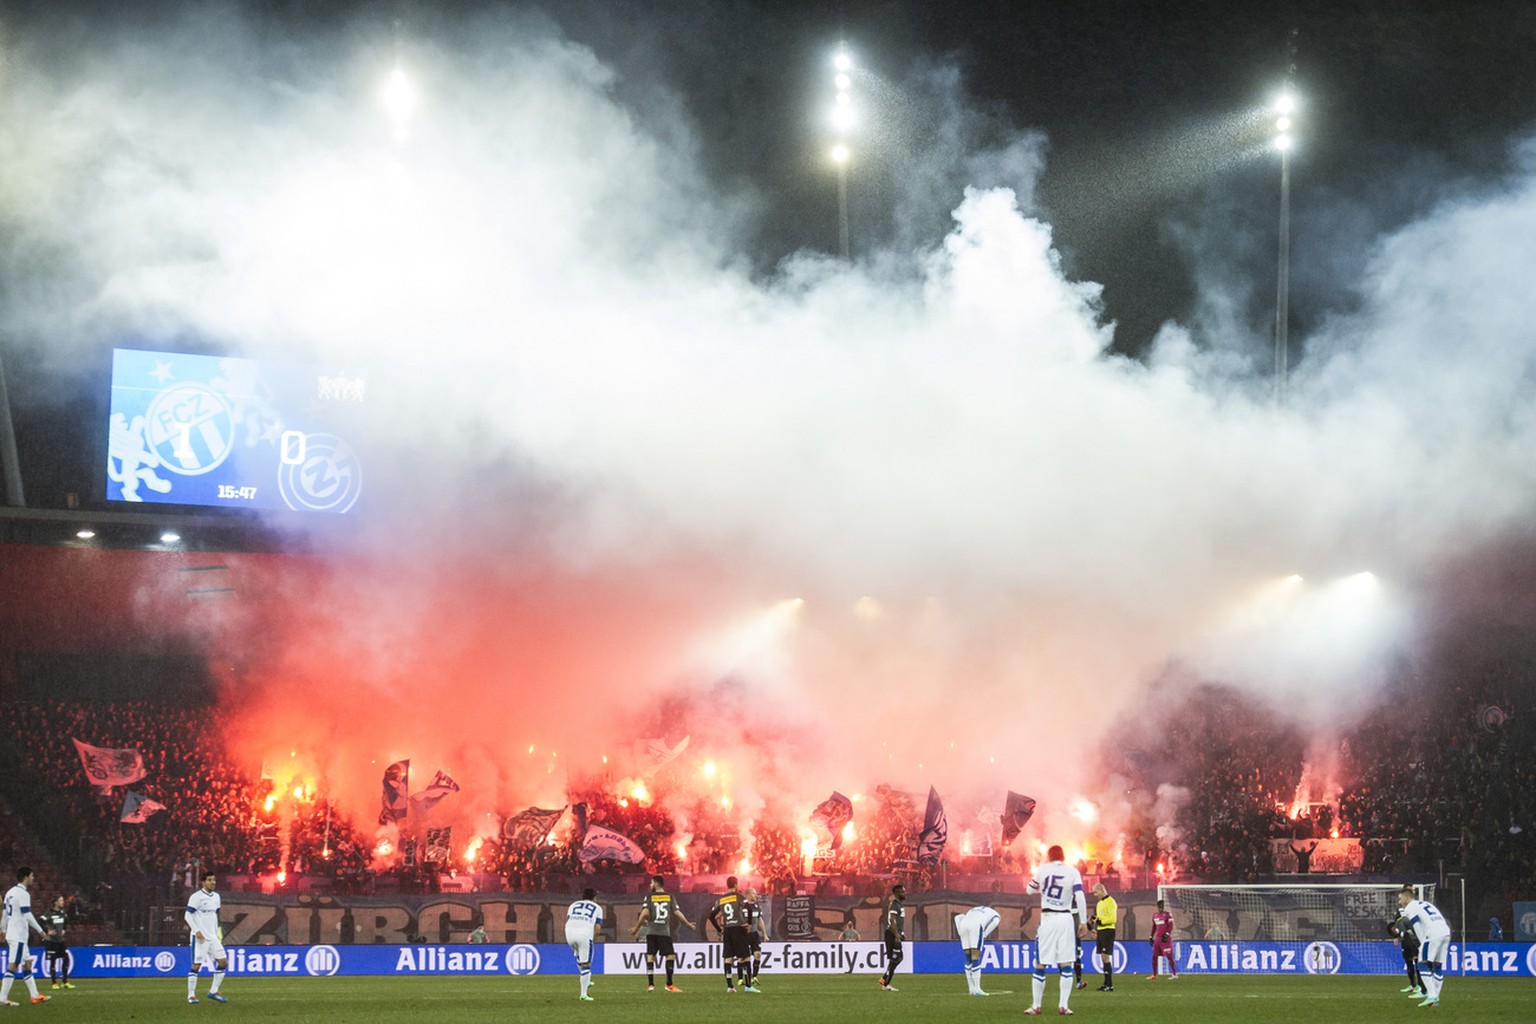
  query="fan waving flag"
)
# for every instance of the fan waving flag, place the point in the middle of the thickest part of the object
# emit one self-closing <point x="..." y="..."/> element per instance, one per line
<point x="935" y="833"/>
<point x="1016" y="814"/>
<point x="137" y="808"/>
<point x="606" y="844"/>
<point x="107" y="767"/>
<point x="397" y="786"/>
<point x="428" y="798"/>
<point x="531" y="826"/>
<point x="832" y="814"/>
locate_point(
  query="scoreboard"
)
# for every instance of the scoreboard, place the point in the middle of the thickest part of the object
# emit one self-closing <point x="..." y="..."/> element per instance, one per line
<point x="234" y="433"/>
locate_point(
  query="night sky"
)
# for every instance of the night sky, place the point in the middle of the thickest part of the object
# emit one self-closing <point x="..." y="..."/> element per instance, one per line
<point x="1405" y="103"/>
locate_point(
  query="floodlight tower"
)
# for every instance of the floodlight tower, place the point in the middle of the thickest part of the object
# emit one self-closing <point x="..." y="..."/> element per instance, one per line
<point x="842" y="120"/>
<point x="1285" y="109"/>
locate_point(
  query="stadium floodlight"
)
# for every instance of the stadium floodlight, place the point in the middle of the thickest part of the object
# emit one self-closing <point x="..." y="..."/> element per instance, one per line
<point x="400" y="101"/>
<point x="1286" y="103"/>
<point x="85" y="534"/>
<point x="842" y="60"/>
<point x="170" y="537"/>
<point x="840" y="154"/>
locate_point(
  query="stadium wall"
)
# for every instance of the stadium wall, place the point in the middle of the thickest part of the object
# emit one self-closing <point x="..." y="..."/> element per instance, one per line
<point x="1491" y="959"/>
<point x="514" y="918"/>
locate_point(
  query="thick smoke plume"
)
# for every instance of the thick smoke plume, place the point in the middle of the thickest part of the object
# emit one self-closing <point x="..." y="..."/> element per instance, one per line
<point x="902" y="520"/>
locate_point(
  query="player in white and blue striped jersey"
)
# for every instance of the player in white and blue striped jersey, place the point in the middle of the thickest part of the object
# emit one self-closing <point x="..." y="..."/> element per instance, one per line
<point x="207" y="938"/>
<point x="972" y="928"/>
<point x="18" y="923"/>
<point x="1434" y="941"/>
<point x="582" y="920"/>
<point x="1061" y="897"/>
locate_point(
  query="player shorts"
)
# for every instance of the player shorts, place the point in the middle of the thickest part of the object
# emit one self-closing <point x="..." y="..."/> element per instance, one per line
<point x="1056" y="941"/>
<point x="580" y="942"/>
<point x="17" y="955"/>
<point x="207" y="950"/>
<point x="734" y="942"/>
<point x="1104" y="942"/>
<point x="1434" y="949"/>
<point x="973" y="929"/>
<point x="659" y="945"/>
<point x="893" y="946"/>
<point x="754" y="941"/>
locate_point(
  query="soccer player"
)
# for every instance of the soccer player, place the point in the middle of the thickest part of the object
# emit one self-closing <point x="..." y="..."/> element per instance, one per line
<point x="1061" y="897"/>
<point x="19" y="924"/>
<point x="1161" y="940"/>
<point x="757" y="931"/>
<point x="729" y="916"/>
<point x="581" y="921"/>
<point x="656" y="919"/>
<point x="54" y="920"/>
<point x="973" y="927"/>
<point x="1105" y="914"/>
<point x="207" y="938"/>
<point x="1434" y="940"/>
<point x="1410" y="942"/>
<point x="895" y="934"/>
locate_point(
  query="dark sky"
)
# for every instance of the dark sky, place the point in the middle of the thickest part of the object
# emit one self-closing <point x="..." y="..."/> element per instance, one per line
<point x="1405" y="103"/>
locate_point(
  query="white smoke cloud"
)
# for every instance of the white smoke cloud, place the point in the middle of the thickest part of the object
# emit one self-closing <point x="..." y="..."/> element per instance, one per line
<point x="571" y="353"/>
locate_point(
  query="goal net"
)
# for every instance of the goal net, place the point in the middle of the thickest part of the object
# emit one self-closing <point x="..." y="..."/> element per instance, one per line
<point x="1291" y="913"/>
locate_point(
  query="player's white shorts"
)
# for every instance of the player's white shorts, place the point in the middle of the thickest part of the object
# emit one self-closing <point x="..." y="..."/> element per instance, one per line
<point x="207" y="950"/>
<point x="16" y="956"/>
<point x="580" y="942"/>
<point x="1434" y="949"/>
<point x="1056" y="942"/>
<point x="975" y="925"/>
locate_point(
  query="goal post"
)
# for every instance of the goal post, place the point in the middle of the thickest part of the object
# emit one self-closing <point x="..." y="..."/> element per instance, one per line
<point x="1291" y="912"/>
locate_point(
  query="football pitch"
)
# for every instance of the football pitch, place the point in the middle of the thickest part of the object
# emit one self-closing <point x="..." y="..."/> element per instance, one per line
<point x="852" y="999"/>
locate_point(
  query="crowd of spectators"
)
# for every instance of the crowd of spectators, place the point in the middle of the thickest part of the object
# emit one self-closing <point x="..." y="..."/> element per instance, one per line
<point x="1424" y="785"/>
<point x="1434" y="783"/>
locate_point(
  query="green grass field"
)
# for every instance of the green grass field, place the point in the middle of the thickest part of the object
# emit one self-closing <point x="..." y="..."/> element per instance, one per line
<point x="792" y="999"/>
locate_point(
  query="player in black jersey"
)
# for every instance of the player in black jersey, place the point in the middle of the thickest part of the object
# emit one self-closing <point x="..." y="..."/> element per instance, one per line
<point x="729" y="916"/>
<point x="656" y="919"/>
<point x="756" y="932"/>
<point x="895" y="934"/>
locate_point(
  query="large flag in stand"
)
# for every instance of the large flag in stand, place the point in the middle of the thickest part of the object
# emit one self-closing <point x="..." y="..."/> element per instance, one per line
<point x="439" y="845"/>
<point x="654" y="754"/>
<point x="935" y="833"/>
<point x="137" y="808"/>
<point x="531" y="826"/>
<point x="897" y="806"/>
<point x="428" y="798"/>
<point x="397" y="787"/>
<point x="833" y="814"/>
<point x="107" y="767"/>
<point x="1016" y="814"/>
<point x="606" y="844"/>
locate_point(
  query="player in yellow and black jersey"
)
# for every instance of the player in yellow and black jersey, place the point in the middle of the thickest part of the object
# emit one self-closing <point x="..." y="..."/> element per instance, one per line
<point x="656" y="918"/>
